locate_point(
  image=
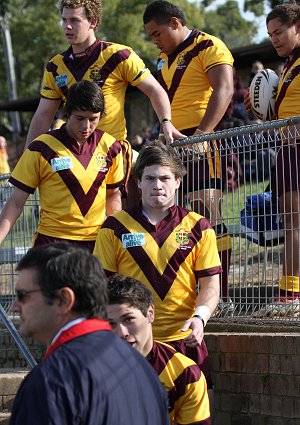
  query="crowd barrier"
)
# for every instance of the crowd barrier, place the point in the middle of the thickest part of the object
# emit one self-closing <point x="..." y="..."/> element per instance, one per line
<point x="246" y="203"/>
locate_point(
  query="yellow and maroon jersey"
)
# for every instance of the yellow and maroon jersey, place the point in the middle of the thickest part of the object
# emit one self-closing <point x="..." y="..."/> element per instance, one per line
<point x="183" y="75"/>
<point x="72" y="181"/>
<point x="184" y="383"/>
<point x="288" y="94"/>
<point x="168" y="258"/>
<point x="112" y="66"/>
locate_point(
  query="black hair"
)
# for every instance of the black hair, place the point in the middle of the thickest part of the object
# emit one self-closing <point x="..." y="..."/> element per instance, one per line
<point x="287" y="13"/>
<point x="127" y="290"/>
<point x="162" y="11"/>
<point x="62" y="265"/>
<point x="84" y="96"/>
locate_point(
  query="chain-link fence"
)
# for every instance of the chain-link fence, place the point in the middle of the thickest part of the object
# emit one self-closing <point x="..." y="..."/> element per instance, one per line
<point x="238" y="178"/>
<point x="12" y="249"/>
<point x="245" y="180"/>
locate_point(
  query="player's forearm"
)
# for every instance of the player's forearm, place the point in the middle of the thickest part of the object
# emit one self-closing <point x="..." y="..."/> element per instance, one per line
<point x="113" y="201"/>
<point x="161" y="104"/>
<point x="216" y="108"/>
<point x="209" y="293"/>
<point x="8" y="217"/>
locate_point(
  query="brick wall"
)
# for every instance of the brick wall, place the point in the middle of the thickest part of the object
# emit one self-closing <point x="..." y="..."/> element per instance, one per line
<point x="257" y="378"/>
<point x="256" y="375"/>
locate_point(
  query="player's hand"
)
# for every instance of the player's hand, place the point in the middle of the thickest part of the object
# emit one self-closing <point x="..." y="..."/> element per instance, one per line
<point x="247" y="101"/>
<point x="195" y="337"/>
<point x="202" y="147"/>
<point x="171" y="133"/>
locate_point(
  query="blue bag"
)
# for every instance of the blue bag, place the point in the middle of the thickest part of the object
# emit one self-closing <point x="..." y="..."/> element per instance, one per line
<point x="260" y="219"/>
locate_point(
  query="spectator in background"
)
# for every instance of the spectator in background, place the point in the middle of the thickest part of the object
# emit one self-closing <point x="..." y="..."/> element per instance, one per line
<point x="256" y="67"/>
<point x="4" y="165"/>
<point x="88" y="375"/>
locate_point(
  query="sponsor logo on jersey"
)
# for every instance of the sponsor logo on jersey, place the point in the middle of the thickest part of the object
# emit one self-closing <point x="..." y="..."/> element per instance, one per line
<point x="95" y="73"/>
<point x="61" y="80"/>
<point x="101" y="163"/>
<point x="160" y="64"/>
<point x="59" y="164"/>
<point x="182" y="238"/>
<point x="130" y="240"/>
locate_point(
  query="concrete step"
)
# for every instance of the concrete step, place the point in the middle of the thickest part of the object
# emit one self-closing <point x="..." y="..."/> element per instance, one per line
<point x="4" y="418"/>
<point x="10" y="380"/>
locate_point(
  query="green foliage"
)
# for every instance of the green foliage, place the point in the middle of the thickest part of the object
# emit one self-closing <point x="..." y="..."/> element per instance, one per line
<point x="227" y="23"/>
<point x="128" y="28"/>
<point x="36" y="33"/>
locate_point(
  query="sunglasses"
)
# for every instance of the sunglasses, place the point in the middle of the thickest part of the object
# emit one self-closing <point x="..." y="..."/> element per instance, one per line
<point x="21" y="294"/>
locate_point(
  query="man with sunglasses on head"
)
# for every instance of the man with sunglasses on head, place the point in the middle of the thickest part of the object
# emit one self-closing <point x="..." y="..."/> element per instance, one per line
<point x="88" y="375"/>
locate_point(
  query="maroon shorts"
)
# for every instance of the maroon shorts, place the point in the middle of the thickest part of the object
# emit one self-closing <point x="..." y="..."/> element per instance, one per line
<point x="286" y="173"/>
<point x="204" y="171"/>
<point x="40" y="239"/>
<point x="199" y="355"/>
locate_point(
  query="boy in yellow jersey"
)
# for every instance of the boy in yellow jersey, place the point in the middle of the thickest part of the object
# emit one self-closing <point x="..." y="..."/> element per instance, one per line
<point x="112" y="66"/>
<point x="130" y="312"/>
<point x="78" y="170"/>
<point x="168" y="248"/>
<point x="195" y="69"/>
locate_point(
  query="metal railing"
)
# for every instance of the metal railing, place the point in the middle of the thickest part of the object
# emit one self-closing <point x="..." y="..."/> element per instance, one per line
<point x="249" y="205"/>
<point x="12" y="249"/>
<point x="244" y="157"/>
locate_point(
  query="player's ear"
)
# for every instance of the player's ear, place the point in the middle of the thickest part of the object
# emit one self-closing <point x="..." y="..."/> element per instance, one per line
<point x="150" y="313"/>
<point x="174" y="23"/>
<point x="93" y="24"/>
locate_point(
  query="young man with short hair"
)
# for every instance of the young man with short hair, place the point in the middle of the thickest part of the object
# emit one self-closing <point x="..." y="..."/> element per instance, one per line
<point x="112" y="66"/>
<point x="130" y="312"/>
<point x="61" y="297"/>
<point x="168" y="248"/>
<point x="78" y="170"/>
<point x="195" y="69"/>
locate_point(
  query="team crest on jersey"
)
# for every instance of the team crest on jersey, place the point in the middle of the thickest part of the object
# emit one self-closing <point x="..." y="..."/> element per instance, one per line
<point x="101" y="163"/>
<point x="160" y="64"/>
<point x="95" y="73"/>
<point x="180" y="60"/>
<point x="129" y="240"/>
<point x="61" y="80"/>
<point x="288" y="76"/>
<point x="59" y="164"/>
<point x="182" y="238"/>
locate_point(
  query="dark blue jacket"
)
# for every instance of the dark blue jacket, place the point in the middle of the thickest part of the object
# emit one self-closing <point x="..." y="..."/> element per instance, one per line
<point x="94" y="379"/>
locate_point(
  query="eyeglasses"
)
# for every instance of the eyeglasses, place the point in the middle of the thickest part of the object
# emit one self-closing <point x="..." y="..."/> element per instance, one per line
<point x="21" y="294"/>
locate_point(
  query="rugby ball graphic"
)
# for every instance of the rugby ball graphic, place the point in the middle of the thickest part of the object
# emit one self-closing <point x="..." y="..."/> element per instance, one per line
<point x="262" y="92"/>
